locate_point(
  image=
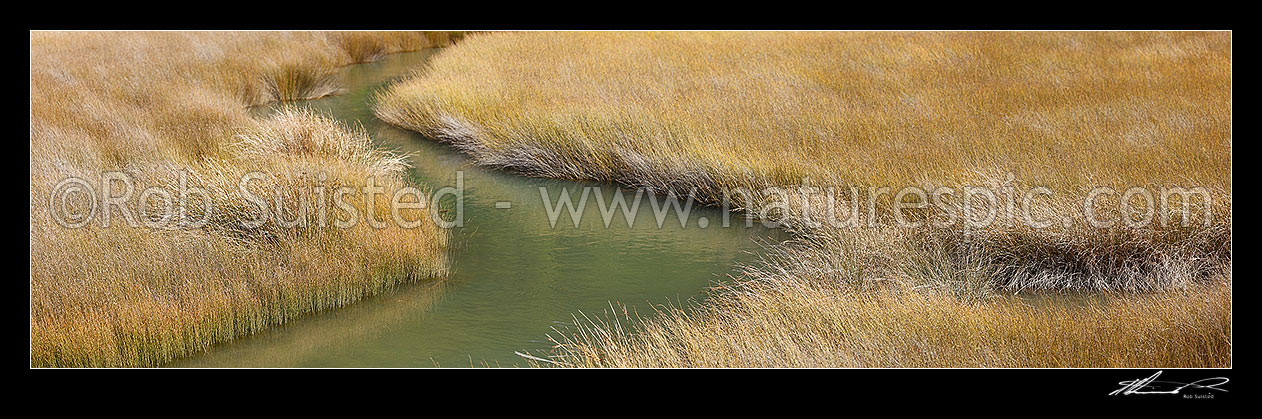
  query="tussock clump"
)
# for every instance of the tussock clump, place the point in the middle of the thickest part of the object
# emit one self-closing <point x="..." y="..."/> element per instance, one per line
<point x="289" y="82"/>
<point x="364" y="47"/>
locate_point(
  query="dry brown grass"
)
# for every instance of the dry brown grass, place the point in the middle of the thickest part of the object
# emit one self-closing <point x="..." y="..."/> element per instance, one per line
<point x="709" y="112"/>
<point x="154" y="105"/>
<point x="797" y="322"/>
<point x="704" y="113"/>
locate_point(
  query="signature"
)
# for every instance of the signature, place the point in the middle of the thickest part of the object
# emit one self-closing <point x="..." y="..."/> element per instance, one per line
<point x="1151" y="385"/>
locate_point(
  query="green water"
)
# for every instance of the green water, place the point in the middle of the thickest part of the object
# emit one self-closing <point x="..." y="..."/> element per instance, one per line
<point x="513" y="278"/>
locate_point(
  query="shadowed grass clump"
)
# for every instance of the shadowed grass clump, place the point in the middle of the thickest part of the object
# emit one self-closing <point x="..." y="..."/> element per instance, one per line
<point x="709" y="113"/>
<point x="296" y="83"/>
<point x="168" y="109"/>
<point x="364" y="47"/>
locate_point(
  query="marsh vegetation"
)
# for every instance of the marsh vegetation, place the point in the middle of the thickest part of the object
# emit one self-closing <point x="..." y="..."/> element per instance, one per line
<point x="677" y="114"/>
<point x="165" y="108"/>
<point x="702" y="113"/>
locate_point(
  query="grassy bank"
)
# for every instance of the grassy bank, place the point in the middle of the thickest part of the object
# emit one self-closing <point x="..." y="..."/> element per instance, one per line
<point x="812" y="326"/>
<point x="807" y="310"/>
<point x="167" y="109"/>
<point x="703" y="113"/>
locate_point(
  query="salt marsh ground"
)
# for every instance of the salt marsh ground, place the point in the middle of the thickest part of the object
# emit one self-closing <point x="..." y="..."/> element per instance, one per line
<point x="708" y="113"/>
<point x="169" y="110"/>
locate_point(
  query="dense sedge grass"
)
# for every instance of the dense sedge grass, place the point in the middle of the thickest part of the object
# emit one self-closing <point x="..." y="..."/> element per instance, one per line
<point x="702" y="112"/>
<point x="819" y="302"/>
<point x="797" y="322"/>
<point x="153" y="105"/>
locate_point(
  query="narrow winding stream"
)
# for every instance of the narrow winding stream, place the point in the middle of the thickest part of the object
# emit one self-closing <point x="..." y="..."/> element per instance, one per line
<point x="513" y="276"/>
